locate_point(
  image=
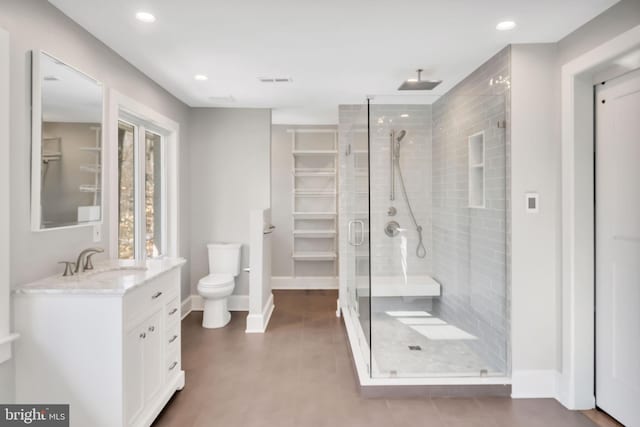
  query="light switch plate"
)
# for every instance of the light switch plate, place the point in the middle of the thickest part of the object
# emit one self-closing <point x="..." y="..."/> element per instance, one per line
<point x="97" y="233"/>
<point x="532" y="202"/>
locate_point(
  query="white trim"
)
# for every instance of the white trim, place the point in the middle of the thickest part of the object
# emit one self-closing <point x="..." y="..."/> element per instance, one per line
<point x="576" y="383"/>
<point x="289" y="282"/>
<point x="534" y="384"/>
<point x="234" y="303"/>
<point x="257" y="323"/>
<point x="170" y="130"/>
<point x="185" y="307"/>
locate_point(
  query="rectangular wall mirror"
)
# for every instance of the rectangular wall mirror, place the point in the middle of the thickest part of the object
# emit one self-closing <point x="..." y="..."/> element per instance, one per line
<point x="67" y="152"/>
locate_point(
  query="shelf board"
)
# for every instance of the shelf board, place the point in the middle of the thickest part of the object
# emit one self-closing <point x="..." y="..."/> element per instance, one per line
<point x="94" y="149"/>
<point x="90" y="168"/>
<point x="315" y="234"/>
<point x="314" y="152"/>
<point x="315" y="193"/>
<point x="89" y="188"/>
<point x="314" y="215"/>
<point x="314" y="256"/>
<point x="314" y="173"/>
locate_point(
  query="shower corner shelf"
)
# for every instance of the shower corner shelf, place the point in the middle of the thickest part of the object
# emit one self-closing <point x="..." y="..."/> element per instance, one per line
<point x="314" y="197"/>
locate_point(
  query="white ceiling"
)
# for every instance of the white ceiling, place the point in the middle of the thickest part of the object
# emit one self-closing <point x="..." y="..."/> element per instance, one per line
<point x="336" y="51"/>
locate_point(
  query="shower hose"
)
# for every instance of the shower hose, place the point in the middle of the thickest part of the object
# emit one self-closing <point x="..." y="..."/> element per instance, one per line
<point x="421" y="251"/>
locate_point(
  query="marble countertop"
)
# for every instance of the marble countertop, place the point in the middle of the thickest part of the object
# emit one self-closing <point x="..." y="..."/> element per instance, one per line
<point x="112" y="277"/>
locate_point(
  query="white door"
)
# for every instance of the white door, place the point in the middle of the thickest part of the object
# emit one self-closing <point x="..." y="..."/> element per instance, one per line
<point x="618" y="248"/>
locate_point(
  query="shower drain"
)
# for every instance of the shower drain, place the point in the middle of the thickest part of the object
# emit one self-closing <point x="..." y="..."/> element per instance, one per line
<point x="415" y="347"/>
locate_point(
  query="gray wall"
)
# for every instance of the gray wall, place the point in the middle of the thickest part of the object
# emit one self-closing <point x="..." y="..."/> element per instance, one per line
<point x="229" y="169"/>
<point x="281" y="191"/>
<point x="35" y="24"/>
<point x="470" y="244"/>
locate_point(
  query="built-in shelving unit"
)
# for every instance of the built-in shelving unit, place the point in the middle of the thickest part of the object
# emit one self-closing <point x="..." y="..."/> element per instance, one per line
<point x="476" y="170"/>
<point x="314" y="197"/>
<point x="95" y="168"/>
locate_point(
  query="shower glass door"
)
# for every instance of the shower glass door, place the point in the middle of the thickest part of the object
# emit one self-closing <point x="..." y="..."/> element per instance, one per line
<point x="354" y="220"/>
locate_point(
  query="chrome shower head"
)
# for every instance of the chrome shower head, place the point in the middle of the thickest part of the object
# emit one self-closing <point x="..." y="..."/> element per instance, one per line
<point x="419" y="84"/>
<point x="401" y="135"/>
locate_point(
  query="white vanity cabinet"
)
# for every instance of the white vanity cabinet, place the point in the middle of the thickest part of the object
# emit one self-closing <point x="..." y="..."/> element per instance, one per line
<point x="109" y="349"/>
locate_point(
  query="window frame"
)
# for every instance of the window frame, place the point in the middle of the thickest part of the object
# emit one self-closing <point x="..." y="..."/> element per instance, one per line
<point x="143" y="118"/>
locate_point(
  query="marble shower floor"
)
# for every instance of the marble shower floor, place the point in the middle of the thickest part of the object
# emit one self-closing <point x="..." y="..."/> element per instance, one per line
<point x="392" y="356"/>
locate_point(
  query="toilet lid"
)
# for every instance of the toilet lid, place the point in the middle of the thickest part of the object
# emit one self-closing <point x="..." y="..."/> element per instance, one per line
<point x="216" y="280"/>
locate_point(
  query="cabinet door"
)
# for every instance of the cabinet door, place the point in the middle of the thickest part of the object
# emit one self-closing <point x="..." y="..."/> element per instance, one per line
<point x="153" y="356"/>
<point x="134" y="373"/>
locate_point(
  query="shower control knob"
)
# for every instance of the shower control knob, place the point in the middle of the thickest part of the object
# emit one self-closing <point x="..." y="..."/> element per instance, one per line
<point x="392" y="229"/>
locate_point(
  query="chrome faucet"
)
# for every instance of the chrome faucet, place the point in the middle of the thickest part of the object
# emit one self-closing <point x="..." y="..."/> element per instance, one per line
<point x="83" y="262"/>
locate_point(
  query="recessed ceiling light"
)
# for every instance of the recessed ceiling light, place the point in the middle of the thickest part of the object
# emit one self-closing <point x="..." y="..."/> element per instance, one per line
<point x="200" y="77"/>
<point x="145" y="17"/>
<point x="404" y="115"/>
<point x="505" y="26"/>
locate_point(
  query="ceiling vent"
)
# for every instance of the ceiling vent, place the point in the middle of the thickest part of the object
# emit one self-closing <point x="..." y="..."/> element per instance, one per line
<point x="222" y="99"/>
<point x="275" y="79"/>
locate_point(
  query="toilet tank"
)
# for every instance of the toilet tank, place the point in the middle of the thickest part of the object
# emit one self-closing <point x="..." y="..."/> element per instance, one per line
<point x="224" y="258"/>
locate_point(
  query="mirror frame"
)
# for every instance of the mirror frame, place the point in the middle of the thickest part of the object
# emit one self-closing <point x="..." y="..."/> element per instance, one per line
<point x="36" y="145"/>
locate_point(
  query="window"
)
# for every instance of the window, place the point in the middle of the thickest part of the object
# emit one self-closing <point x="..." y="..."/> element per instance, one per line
<point x="141" y="191"/>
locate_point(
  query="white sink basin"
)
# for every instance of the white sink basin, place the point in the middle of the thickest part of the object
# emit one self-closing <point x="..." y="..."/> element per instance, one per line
<point x="113" y="273"/>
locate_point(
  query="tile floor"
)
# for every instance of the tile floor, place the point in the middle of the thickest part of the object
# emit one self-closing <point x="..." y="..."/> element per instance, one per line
<point x="299" y="374"/>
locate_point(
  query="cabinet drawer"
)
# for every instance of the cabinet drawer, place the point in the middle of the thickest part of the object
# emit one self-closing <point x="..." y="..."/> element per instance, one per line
<point x="173" y="339"/>
<point x="173" y="311"/>
<point x="149" y="296"/>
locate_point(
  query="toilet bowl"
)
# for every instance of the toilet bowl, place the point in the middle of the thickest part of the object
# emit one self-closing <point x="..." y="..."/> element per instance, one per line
<point x="215" y="289"/>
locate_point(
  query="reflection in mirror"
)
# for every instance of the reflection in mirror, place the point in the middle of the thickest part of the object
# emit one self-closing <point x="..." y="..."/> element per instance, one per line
<point x="70" y="144"/>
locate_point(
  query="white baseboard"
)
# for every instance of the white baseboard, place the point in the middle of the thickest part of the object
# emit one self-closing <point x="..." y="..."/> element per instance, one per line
<point x="288" y="282"/>
<point x="257" y="323"/>
<point x="234" y="303"/>
<point x="534" y="384"/>
<point x="186" y="307"/>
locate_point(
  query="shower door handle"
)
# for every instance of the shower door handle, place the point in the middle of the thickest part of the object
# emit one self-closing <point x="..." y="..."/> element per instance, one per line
<point x="361" y="241"/>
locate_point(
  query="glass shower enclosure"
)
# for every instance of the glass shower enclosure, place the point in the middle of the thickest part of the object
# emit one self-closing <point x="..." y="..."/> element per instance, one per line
<point x="424" y="208"/>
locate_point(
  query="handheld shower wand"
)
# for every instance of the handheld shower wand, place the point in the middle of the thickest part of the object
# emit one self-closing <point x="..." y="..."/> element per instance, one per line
<point x="421" y="251"/>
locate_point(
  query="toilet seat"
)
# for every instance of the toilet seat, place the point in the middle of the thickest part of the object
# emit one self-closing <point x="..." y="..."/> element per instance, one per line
<point x="216" y="281"/>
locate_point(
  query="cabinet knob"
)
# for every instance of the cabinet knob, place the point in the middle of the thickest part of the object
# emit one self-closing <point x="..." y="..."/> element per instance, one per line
<point x="172" y="312"/>
<point x="173" y="365"/>
<point x="152" y="328"/>
<point x="143" y="335"/>
<point x="173" y="338"/>
<point x="156" y="295"/>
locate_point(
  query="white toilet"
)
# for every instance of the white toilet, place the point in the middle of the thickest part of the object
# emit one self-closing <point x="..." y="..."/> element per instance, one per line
<point x="224" y="267"/>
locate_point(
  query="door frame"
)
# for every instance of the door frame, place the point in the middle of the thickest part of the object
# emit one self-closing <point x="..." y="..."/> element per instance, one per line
<point x="576" y="388"/>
